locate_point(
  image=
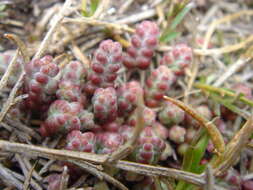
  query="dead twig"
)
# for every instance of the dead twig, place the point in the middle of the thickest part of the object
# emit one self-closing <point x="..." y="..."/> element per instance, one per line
<point x="11" y="97"/>
<point x="9" y="179"/>
<point x="231" y="70"/>
<point x="234" y="148"/>
<point x="95" y="22"/>
<point x="64" y="179"/>
<point x="22" y="47"/>
<point x="220" y="21"/>
<point x="65" y="155"/>
<point x="28" y="177"/>
<point x="212" y="130"/>
<point x="209" y="178"/>
<point x="45" y="43"/>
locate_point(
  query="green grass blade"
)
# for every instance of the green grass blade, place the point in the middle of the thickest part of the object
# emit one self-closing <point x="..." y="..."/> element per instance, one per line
<point x="93" y="7"/>
<point x="178" y="19"/>
<point x="192" y="159"/>
<point x="169" y="35"/>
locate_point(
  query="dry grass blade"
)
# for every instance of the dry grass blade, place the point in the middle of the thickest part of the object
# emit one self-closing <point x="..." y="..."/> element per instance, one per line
<point x="209" y="178"/>
<point x="8" y="179"/>
<point x="20" y="44"/>
<point x="64" y="179"/>
<point x="212" y="130"/>
<point x="55" y="25"/>
<point x="225" y="49"/>
<point x="95" y="22"/>
<point x="223" y="20"/>
<point x="28" y="177"/>
<point x="102" y="176"/>
<point x="127" y="148"/>
<point x="231" y="70"/>
<point x="11" y="97"/>
<point x="234" y="148"/>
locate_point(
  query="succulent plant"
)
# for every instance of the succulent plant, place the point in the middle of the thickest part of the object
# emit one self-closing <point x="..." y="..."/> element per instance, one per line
<point x="157" y="85"/>
<point x="106" y="62"/>
<point x="190" y="134"/>
<point x="126" y="131"/>
<point x="178" y="59"/>
<point x="127" y="96"/>
<point x="143" y="44"/>
<point x="182" y="148"/>
<point x="177" y="134"/>
<point x="83" y="142"/>
<point x="105" y="104"/>
<point x="5" y="59"/>
<point x="160" y="130"/>
<point x="71" y="83"/>
<point x="171" y="114"/>
<point x="111" y="127"/>
<point x="149" y="117"/>
<point x="54" y="181"/>
<point x="40" y="82"/>
<point x="75" y="72"/>
<point x="108" y="142"/>
<point x="149" y="147"/>
<point x="204" y="111"/>
<point x="70" y="92"/>
<point x="64" y="117"/>
<point x="247" y="184"/>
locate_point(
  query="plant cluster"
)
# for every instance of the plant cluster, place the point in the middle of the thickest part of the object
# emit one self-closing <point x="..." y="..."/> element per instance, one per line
<point x="95" y="108"/>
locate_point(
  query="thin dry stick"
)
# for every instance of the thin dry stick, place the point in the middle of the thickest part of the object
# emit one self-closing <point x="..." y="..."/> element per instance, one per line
<point x="51" y="153"/>
<point x="28" y="177"/>
<point x="29" y="167"/>
<point x="137" y="17"/>
<point x="64" y="179"/>
<point x="209" y="178"/>
<point x="82" y="29"/>
<point x="125" y="6"/>
<point x="220" y="21"/>
<point x="11" y="97"/>
<point x="79" y="54"/>
<point x="191" y="81"/>
<point x="150" y="170"/>
<point x="100" y="159"/>
<point x="212" y="130"/>
<point x="95" y="22"/>
<point x="128" y="147"/>
<point x="45" y="43"/>
<point x="22" y="178"/>
<point x="225" y="49"/>
<point x="101" y="175"/>
<point x="9" y="71"/>
<point x="215" y="51"/>
<point x="234" y="148"/>
<point x="92" y="42"/>
<point x="8" y="179"/>
<point x="46" y="166"/>
<point x="22" y="47"/>
<point x="49" y="13"/>
<point x="231" y="70"/>
<point x="22" y="127"/>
